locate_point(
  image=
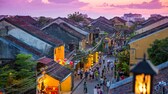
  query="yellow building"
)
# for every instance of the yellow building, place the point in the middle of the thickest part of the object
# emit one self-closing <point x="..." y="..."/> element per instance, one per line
<point x="141" y="42"/>
<point x="96" y="57"/>
<point x="55" y="78"/>
<point x="59" y="53"/>
<point x="89" y="62"/>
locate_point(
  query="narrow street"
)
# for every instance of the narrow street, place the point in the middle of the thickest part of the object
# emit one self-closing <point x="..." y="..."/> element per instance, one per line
<point x="92" y="83"/>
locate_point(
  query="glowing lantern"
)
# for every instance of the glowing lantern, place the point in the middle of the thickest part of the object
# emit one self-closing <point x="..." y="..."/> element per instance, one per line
<point x="71" y="63"/>
<point x="143" y="77"/>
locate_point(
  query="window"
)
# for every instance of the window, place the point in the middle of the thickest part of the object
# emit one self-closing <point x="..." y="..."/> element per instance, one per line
<point x="132" y="53"/>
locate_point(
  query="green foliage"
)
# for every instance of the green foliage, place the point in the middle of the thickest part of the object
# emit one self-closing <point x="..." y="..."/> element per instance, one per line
<point x="105" y="33"/>
<point x="18" y="76"/>
<point x="101" y="47"/>
<point x="123" y="61"/>
<point x="77" y="17"/>
<point x="43" y="21"/>
<point x="158" y="53"/>
<point x="131" y="35"/>
<point x="94" y="43"/>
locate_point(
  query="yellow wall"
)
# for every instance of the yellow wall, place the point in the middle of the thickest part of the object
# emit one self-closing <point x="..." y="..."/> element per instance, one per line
<point x="66" y="84"/>
<point x="50" y="81"/>
<point x="89" y="62"/>
<point x="96" y="57"/>
<point x="59" y="53"/>
<point x="139" y="47"/>
<point x="83" y="44"/>
<point x="90" y="38"/>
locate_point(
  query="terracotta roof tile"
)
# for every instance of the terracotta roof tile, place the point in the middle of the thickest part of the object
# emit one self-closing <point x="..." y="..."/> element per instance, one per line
<point x="55" y="70"/>
<point x="59" y="72"/>
<point x="45" y="60"/>
<point x="120" y="19"/>
<point x="28" y="19"/>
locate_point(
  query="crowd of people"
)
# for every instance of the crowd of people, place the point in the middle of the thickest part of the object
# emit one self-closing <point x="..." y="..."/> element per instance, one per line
<point x="99" y="74"/>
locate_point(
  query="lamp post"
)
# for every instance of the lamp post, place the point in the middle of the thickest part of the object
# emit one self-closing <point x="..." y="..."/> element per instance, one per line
<point x="143" y="77"/>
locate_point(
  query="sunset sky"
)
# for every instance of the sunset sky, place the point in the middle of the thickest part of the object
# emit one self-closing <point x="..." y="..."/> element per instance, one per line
<point x="94" y="8"/>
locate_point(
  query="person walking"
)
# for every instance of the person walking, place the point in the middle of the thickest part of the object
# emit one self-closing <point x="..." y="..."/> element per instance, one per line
<point x="101" y="81"/>
<point x="96" y="74"/>
<point x="95" y="90"/>
<point x="104" y="82"/>
<point x="81" y="73"/>
<point x="108" y="85"/>
<point x="108" y="66"/>
<point x="78" y="72"/>
<point x="98" y="89"/>
<point x="91" y="75"/>
<point x="103" y="60"/>
<point x="105" y="70"/>
<point x="86" y="75"/>
<point x="111" y="66"/>
<point x="85" y="87"/>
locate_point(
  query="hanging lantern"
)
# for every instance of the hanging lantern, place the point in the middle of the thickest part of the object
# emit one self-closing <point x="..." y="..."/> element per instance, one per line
<point x="71" y="63"/>
<point x="65" y="59"/>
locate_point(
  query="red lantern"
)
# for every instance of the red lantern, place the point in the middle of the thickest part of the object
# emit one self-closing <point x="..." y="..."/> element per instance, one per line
<point x="65" y="59"/>
<point x="71" y="63"/>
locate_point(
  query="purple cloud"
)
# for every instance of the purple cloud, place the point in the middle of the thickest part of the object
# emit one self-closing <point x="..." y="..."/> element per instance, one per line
<point x="37" y="7"/>
<point x="154" y="4"/>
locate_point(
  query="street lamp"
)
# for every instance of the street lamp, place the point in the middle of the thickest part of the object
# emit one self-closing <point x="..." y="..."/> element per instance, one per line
<point x="143" y="76"/>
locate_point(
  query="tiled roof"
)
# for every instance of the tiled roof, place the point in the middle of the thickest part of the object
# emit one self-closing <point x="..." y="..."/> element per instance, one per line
<point x="27" y="19"/>
<point x="45" y="60"/>
<point x="103" y="25"/>
<point x="18" y="42"/>
<point x="104" y="20"/>
<point x="151" y="21"/>
<point x="141" y="35"/>
<point x="92" y="30"/>
<point x="70" y="21"/>
<point x="33" y="31"/>
<point x="71" y="31"/>
<point x="71" y="26"/>
<point x="56" y="70"/>
<point x="74" y="27"/>
<point x="3" y="16"/>
<point x="120" y="19"/>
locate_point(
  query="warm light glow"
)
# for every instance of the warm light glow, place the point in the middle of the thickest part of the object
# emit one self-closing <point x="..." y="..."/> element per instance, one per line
<point x="45" y="1"/>
<point x="59" y="54"/>
<point x="142" y="84"/>
<point x="29" y="1"/>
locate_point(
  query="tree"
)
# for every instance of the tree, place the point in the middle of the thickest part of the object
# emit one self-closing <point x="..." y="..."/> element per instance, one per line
<point x="123" y="61"/>
<point x="77" y="17"/>
<point x="18" y="76"/>
<point x="158" y="53"/>
<point x="42" y="21"/>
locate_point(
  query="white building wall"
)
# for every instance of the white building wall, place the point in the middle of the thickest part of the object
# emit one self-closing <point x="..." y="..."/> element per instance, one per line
<point x="29" y="39"/>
